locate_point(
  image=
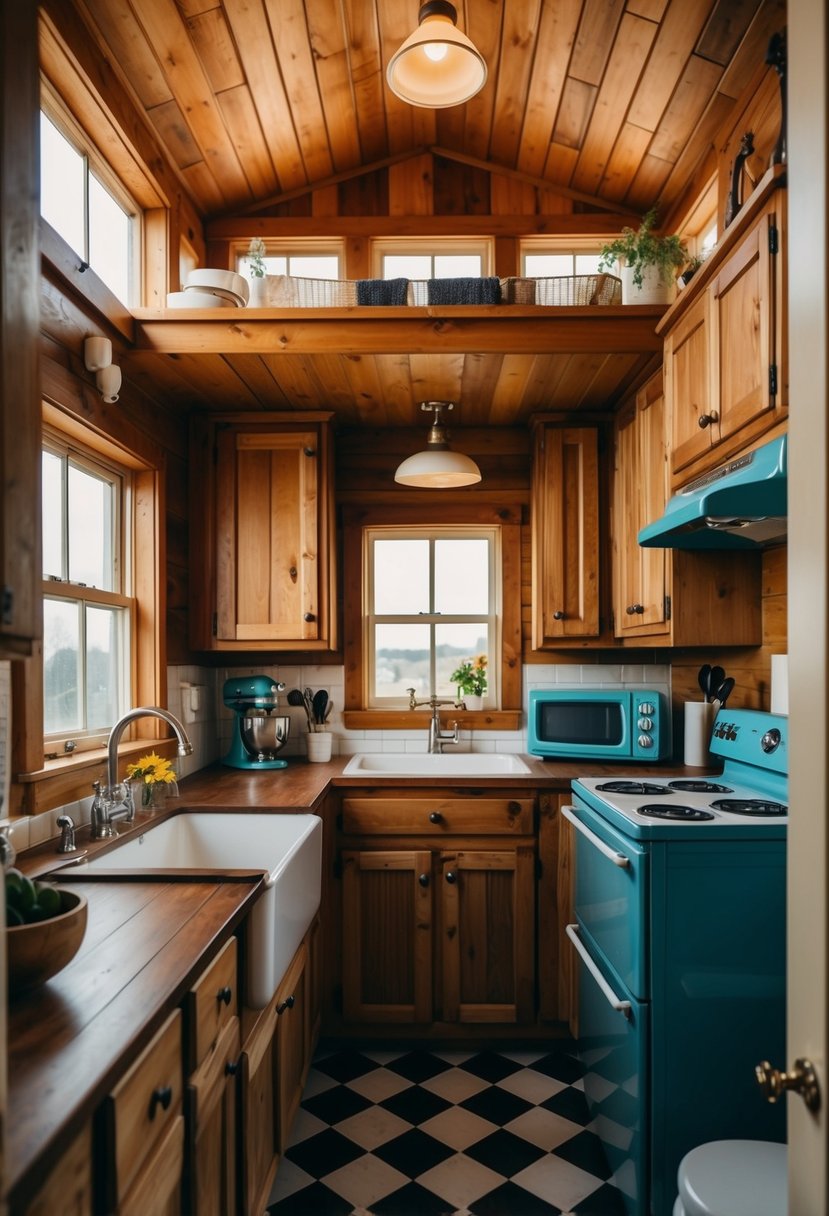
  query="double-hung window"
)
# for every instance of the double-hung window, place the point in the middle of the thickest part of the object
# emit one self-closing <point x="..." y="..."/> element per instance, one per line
<point x="433" y="600"/>
<point x="431" y="259"/>
<point x="87" y="611"/>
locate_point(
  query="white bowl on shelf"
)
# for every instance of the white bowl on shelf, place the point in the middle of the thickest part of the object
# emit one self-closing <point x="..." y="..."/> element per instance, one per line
<point x="223" y="282"/>
<point x="197" y="299"/>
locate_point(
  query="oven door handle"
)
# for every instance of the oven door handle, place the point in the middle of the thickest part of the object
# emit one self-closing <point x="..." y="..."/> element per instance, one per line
<point x="618" y="859"/>
<point x="610" y="996"/>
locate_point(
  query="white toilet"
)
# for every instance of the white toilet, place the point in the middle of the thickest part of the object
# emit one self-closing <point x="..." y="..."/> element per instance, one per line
<point x="733" y="1178"/>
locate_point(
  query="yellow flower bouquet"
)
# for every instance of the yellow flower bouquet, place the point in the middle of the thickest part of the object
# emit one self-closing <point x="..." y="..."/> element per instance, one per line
<point x="157" y="777"/>
<point x="470" y="676"/>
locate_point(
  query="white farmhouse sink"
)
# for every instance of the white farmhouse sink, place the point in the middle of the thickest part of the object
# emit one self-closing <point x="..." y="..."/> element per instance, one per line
<point x="448" y="764"/>
<point x="287" y="847"/>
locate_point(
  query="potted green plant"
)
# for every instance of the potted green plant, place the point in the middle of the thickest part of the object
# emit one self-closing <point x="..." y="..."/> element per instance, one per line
<point x="649" y="262"/>
<point x="470" y="678"/>
<point x="256" y="265"/>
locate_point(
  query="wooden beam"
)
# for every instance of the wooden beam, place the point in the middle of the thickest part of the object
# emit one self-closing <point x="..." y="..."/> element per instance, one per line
<point x="508" y="330"/>
<point x="242" y="228"/>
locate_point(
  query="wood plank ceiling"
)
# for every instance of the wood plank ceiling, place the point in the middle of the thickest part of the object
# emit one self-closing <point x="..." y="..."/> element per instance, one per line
<point x="614" y="101"/>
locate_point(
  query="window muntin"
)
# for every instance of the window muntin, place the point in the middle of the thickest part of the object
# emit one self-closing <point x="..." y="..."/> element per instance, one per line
<point x="553" y="260"/>
<point x="87" y="611"/>
<point x="84" y="211"/>
<point x="432" y="602"/>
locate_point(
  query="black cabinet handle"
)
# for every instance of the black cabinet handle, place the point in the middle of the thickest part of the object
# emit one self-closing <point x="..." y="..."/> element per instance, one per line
<point x="308" y="616"/>
<point x="423" y="880"/>
<point x="231" y="1068"/>
<point x="705" y="420"/>
<point x="451" y="877"/>
<point x="635" y="609"/>
<point x="162" y="1097"/>
<point x="559" y="615"/>
<point x="514" y="808"/>
<point x="436" y="817"/>
<point x="288" y="1003"/>
<point x="224" y="996"/>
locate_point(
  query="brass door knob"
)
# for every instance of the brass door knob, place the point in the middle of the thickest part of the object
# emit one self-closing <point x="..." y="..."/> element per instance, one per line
<point x="801" y="1080"/>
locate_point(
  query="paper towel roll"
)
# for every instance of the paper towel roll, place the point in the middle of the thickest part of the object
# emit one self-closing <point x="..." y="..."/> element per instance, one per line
<point x="779" y="683"/>
<point x="699" y="721"/>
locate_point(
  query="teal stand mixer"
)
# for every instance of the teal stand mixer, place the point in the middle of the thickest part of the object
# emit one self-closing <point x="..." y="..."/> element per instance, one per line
<point x="259" y="731"/>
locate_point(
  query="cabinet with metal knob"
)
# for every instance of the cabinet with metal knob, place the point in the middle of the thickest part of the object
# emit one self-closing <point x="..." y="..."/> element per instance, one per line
<point x="438" y="909"/>
<point x="726" y="377"/>
<point x="263" y="573"/>
<point x="669" y="597"/>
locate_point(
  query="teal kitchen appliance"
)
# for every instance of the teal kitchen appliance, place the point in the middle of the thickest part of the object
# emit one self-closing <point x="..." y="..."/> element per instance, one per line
<point x="259" y="731"/>
<point x="680" y="927"/>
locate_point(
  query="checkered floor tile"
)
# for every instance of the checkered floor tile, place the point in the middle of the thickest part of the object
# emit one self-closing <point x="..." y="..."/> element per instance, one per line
<point x="444" y="1133"/>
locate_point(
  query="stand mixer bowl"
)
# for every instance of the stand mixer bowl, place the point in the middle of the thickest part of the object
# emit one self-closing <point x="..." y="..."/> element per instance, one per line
<point x="264" y="733"/>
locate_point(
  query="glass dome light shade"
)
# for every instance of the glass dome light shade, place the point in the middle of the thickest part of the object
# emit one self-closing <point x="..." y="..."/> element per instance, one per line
<point x="436" y="80"/>
<point x="438" y="469"/>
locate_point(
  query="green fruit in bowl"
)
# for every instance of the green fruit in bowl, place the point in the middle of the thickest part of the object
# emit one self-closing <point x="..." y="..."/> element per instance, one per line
<point x="48" y="899"/>
<point x="28" y="902"/>
<point x="20" y="891"/>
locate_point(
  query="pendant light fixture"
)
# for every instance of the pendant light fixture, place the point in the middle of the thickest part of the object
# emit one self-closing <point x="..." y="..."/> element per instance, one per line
<point x="437" y="65"/>
<point x="438" y="467"/>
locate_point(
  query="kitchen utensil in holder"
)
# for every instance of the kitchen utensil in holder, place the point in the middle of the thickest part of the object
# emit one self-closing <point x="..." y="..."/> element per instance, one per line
<point x="699" y="721"/>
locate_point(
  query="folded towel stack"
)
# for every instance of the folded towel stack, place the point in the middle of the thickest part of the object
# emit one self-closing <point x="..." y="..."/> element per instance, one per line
<point x="381" y="291"/>
<point x="464" y="291"/>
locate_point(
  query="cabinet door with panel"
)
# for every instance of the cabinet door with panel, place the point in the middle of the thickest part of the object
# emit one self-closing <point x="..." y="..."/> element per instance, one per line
<point x="691" y="385"/>
<point x="438" y="909"/>
<point x="565" y="534"/>
<point x="640" y="485"/>
<point x="263" y="557"/>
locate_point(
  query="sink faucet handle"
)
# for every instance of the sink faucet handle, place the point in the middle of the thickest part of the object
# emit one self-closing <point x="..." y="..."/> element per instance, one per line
<point x="67" y="834"/>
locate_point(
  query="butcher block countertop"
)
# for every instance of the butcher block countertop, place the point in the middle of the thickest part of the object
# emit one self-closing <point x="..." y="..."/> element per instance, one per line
<point x="145" y="945"/>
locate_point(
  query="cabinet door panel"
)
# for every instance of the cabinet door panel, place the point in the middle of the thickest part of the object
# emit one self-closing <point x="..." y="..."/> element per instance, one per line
<point x="211" y="1105"/>
<point x="157" y="1188"/>
<point x="565" y="535"/>
<point x="387" y="936"/>
<point x="742" y="301"/>
<point x="688" y="374"/>
<point x="293" y="1044"/>
<point x="487" y="904"/>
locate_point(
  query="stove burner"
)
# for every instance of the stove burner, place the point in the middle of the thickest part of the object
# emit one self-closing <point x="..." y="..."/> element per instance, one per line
<point x="688" y="814"/>
<point x="759" y="807"/>
<point x="632" y="787"/>
<point x="697" y="785"/>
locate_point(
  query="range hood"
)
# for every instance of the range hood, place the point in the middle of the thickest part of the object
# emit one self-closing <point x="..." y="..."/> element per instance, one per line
<point x="741" y="505"/>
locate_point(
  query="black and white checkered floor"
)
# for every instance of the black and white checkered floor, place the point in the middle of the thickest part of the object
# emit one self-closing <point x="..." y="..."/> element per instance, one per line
<point x="418" y="1133"/>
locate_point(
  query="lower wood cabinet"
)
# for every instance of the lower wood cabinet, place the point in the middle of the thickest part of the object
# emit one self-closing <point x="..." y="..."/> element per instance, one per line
<point x="68" y="1188"/>
<point x="276" y="1055"/>
<point x="439" y="927"/>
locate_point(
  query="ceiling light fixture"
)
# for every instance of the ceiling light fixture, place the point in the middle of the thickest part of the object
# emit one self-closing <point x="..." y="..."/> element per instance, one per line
<point x="438" y="467"/>
<point x="437" y="65"/>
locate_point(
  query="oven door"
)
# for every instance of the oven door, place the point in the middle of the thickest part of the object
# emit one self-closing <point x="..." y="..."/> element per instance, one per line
<point x="612" y="896"/>
<point x="613" y="1048"/>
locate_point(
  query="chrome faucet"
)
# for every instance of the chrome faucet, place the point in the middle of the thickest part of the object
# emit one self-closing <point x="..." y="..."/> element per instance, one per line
<point x="437" y="737"/>
<point x="114" y="800"/>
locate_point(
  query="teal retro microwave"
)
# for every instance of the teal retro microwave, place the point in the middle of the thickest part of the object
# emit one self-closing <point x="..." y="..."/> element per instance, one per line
<point x="599" y="724"/>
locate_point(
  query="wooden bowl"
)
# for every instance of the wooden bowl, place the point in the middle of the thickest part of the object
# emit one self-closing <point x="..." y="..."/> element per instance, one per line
<point x="38" y="951"/>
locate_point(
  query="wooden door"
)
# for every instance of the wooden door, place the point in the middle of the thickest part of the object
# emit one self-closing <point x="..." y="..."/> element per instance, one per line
<point x="690" y="387"/>
<point x="268" y="536"/>
<point x="387" y="936"/>
<point x="211" y="1110"/>
<point x="487" y="920"/>
<point x="742" y="298"/>
<point x="565" y="534"/>
<point x="293" y="1044"/>
<point x="258" y="1113"/>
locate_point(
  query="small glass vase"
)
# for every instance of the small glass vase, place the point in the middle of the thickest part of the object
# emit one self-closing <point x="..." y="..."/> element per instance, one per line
<point x="152" y="795"/>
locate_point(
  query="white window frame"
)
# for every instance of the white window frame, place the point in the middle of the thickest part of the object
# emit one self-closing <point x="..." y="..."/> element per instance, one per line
<point x="382" y="247"/>
<point x="492" y="619"/>
<point x="299" y="247"/>
<point x="558" y="247"/>
<point x="58" y="588"/>
<point x="95" y="165"/>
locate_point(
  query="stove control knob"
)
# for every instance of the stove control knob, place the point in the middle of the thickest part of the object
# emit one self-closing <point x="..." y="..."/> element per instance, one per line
<point x="646" y="708"/>
<point x="645" y="723"/>
<point x="645" y="741"/>
<point x="770" y="740"/>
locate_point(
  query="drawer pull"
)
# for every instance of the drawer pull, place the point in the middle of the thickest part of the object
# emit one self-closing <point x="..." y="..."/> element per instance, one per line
<point x="612" y="998"/>
<point x="288" y="1003"/>
<point x="705" y="420"/>
<point x="423" y="880"/>
<point x="451" y="877"/>
<point x="558" y="615"/>
<point x="514" y="808"/>
<point x="224" y="996"/>
<point x="635" y="609"/>
<point x="231" y="1068"/>
<point x="436" y="817"/>
<point x="162" y="1097"/>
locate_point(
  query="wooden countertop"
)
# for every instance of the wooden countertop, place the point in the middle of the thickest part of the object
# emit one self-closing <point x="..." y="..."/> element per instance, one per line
<point x="145" y="944"/>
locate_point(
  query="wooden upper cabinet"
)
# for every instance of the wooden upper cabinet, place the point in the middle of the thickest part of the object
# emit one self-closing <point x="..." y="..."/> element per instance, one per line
<point x="726" y="371"/>
<point x="264" y="569"/>
<point x="639" y="495"/>
<point x="565" y="534"/>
